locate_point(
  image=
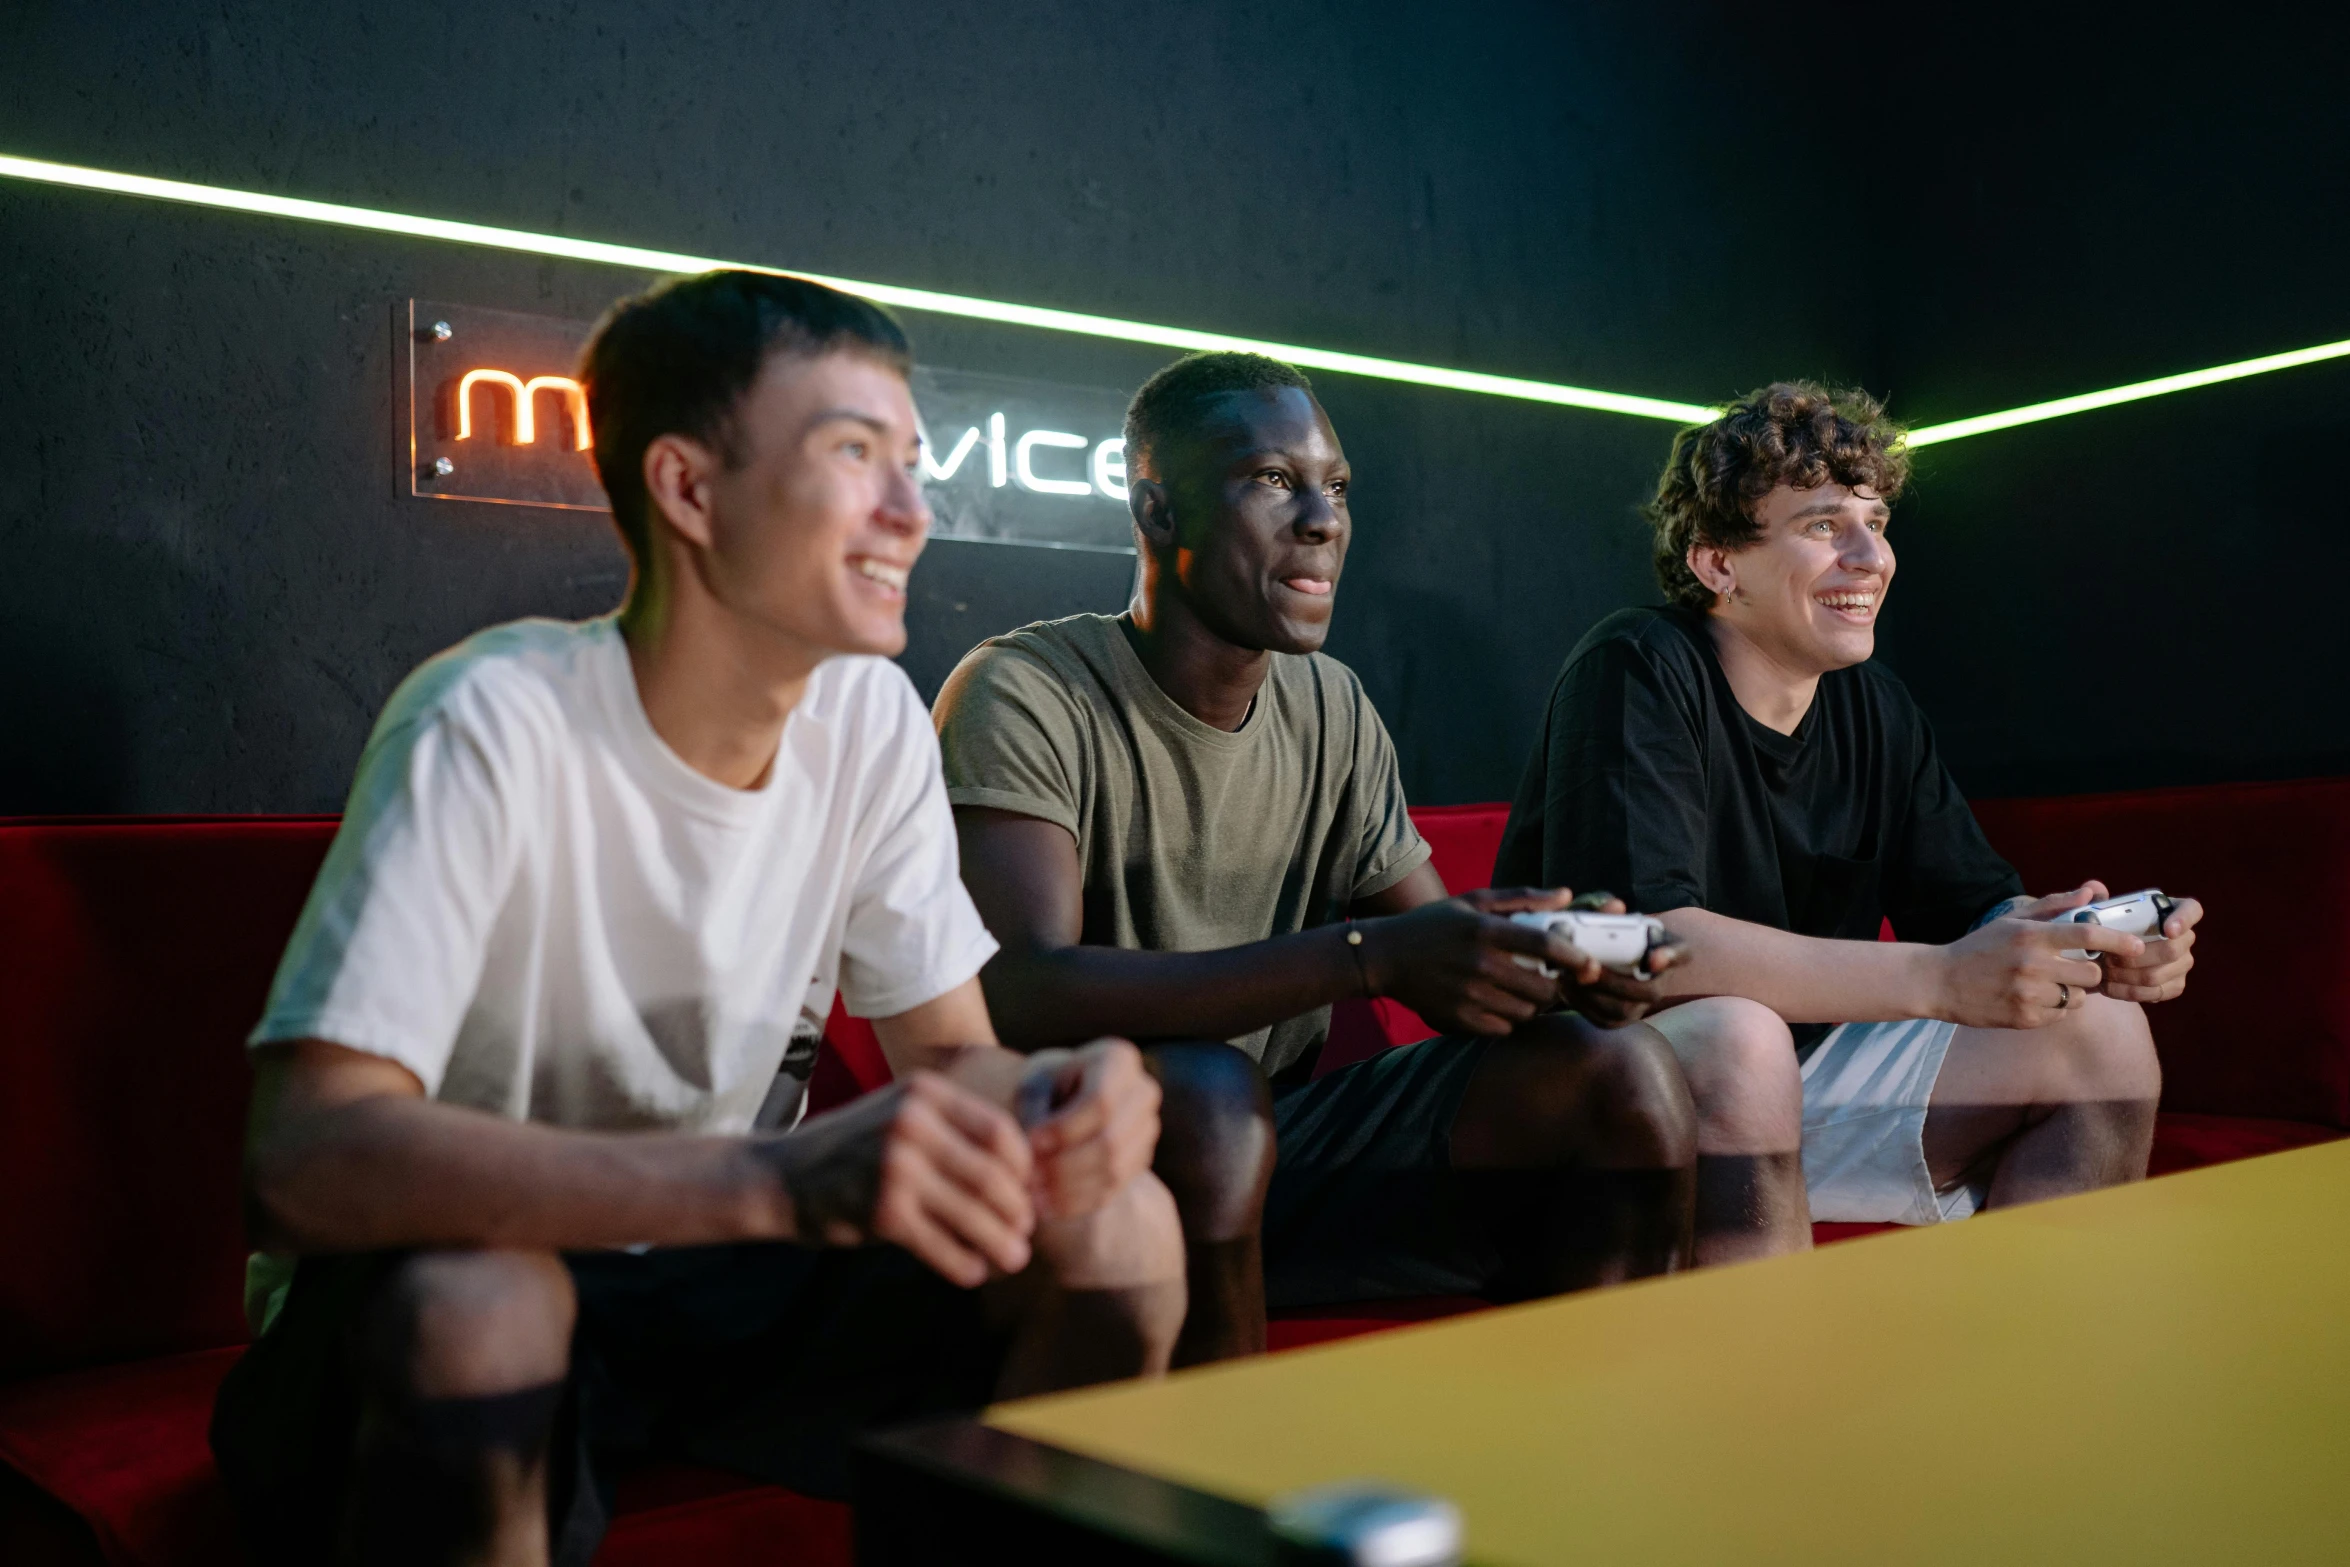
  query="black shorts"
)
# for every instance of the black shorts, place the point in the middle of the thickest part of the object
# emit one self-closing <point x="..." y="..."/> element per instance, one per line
<point x="1365" y="1203"/>
<point x="763" y="1359"/>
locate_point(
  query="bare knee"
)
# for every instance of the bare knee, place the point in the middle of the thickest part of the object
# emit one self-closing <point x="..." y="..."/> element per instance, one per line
<point x="1128" y="1256"/>
<point x="2104" y="1054"/>
<point x="472" y="1324"/>
<point x="1215" y="1137"/>
<point x="1610" y="1098"/>
<point x="1739" y="1059"/>
<point x="1647" y="1120"/>
<point x="1133" y="1239"/>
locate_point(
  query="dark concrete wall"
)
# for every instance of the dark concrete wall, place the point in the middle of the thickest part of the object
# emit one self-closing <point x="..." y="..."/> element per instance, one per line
<point x="213" y="583"/>
<point x="2103" y="200"/>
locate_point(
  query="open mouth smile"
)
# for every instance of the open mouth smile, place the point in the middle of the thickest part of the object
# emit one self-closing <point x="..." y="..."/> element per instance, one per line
<point x="890" y="579"/>
<point x="1856" y="605"/>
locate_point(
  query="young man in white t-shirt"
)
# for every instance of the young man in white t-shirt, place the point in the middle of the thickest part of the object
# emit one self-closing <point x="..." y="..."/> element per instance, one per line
<point x="526" y="1083"/>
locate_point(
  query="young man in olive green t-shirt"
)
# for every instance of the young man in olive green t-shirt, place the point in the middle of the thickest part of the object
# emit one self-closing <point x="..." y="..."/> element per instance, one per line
<point x="1184" y="824"/>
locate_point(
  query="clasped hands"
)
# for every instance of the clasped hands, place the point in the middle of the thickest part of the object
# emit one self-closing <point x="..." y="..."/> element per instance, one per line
<point x="938" y="1163"/>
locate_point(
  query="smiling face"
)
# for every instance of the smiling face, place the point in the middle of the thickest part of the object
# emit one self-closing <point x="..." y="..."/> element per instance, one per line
<point x="1251" y="515"/>
<point x="814" y="527"/>
<point x="1808" y="591"/>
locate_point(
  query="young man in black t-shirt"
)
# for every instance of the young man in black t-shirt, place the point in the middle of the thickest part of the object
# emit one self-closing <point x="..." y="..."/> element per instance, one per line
<point x="1734" y="764"/>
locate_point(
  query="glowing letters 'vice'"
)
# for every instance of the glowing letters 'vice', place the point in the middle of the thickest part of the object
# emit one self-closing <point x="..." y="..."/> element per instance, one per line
<point x="1105" y="470"/>
<point x="1014" y="461"/>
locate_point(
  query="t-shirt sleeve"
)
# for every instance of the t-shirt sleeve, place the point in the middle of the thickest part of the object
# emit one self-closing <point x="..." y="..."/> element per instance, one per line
<point x="1945" y="873"/>
<point x="912" y="933"/>
<point x="1010" y="737"/>
<point x="389" y="949"/>
<point x="1623" y="782"/>
<point x="1387" y="846"/>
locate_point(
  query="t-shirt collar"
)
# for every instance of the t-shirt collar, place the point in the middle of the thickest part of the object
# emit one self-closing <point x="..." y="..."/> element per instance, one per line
<point x="660" y="769"/>
<point x="1145" y="690"/>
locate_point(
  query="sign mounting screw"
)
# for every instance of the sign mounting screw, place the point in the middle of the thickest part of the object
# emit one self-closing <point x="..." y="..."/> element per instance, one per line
<point x="442" y="331"/>
<point x="442" y="467"/>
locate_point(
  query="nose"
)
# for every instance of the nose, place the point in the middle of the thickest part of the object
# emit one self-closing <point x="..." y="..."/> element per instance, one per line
<point x="1318" y="520"/>
<point x="904" y="509"/>
<point x="1866" y="550"/>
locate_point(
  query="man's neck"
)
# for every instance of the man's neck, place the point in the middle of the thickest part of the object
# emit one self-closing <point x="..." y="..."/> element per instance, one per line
<point x="1213" y="680"/>
<point x="1774" y="693"/>
<point x="716" y="691"/>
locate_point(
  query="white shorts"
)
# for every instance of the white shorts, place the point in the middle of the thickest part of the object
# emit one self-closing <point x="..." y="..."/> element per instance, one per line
<point x="1865" y="1090"/>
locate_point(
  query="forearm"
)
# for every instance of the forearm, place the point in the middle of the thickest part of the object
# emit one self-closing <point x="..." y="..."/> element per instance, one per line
<point x="398" y="1171"/>
<point x="1075" y="993"/>
<point x="1805" y="979"/>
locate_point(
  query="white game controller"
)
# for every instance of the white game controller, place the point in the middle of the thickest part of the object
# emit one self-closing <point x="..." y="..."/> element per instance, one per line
<point x="2139" y="914"/>
<point x="1619" y="941"/>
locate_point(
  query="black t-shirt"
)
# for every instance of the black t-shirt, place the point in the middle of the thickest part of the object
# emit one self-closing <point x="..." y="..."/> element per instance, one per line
<point x="1651" y="782"/>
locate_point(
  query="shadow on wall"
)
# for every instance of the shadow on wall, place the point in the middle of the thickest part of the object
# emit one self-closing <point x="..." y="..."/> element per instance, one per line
<point x="1443" y="659"/>
<point x="66" y="726"/>
<point x="964" y="593"/>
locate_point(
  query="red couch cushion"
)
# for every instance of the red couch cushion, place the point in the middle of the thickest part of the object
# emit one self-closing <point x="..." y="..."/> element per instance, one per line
<point x="138" y="957"/>
<point x="2184" y="1140"/>
<point x="2264" y="1027"/>
<point x="124" y="1447"/>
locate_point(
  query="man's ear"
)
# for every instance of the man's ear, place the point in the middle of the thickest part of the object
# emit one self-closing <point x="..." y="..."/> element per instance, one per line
<point x="1711" y="563"/>
<point x="678" y="471"/>
<point x="1154" y="512"/>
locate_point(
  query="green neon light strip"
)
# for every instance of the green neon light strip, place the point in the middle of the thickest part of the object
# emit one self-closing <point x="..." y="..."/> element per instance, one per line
<point x="2135" y="392"/>
<point x="1089" y="326"/>
<point x="880" y="293"/>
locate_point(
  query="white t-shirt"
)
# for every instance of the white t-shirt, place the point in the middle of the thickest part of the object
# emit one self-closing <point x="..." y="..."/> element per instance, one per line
<point x="542" y="912"/>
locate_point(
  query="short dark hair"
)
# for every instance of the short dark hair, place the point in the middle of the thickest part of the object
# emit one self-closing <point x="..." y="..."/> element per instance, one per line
<point x="1169" y="405"/>
<point x="678" y="358"/>
<point x="1789" y="432"/>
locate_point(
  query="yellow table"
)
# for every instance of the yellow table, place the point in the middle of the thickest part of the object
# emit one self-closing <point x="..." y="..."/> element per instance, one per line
<point x="2159" y="1373"/>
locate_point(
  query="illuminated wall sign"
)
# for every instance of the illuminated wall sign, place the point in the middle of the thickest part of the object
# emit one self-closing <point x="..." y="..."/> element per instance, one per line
<point x="1024" y="462"/>
<point x="492" y="413"/>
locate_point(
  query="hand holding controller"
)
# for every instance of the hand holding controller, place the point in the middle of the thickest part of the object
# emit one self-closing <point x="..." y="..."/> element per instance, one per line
<point x="2138" y="914"/>
<point x="1621" y="942"/>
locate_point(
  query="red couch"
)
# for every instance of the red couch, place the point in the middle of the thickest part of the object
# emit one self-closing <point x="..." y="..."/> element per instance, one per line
<point x="137" y="953"/>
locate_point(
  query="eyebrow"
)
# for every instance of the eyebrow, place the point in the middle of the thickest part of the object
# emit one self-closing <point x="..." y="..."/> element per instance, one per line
<point x="877" y="425"/>
<point x="1827" y="508"/>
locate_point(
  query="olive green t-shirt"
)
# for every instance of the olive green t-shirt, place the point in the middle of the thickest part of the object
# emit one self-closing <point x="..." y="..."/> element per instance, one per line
<point x="1190" y="838"/>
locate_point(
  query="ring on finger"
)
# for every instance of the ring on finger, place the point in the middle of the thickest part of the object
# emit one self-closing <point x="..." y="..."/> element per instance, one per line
<point x="2064" y="995"/>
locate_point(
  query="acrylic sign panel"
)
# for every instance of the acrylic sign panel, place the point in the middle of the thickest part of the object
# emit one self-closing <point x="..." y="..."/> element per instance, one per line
<point x="494" y="413"/>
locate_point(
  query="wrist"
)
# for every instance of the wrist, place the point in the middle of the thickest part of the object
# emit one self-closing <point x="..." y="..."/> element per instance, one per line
<point x="760" y="1181"/>
<point x="1354" y="974"/>
<point x="1932" y="986"/>
<point x="991" y="1072"/>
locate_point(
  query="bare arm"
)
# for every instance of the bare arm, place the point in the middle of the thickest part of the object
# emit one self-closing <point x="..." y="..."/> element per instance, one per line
<point x="1046" y="989"/>
<point x="2006" y="974"/>
<point x="1449" y="958"/>
<point x="345" y="1153"/>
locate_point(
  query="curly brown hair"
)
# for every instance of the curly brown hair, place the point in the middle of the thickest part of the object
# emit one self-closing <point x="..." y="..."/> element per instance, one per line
<point x="1789" y="432"/>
